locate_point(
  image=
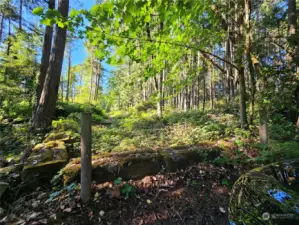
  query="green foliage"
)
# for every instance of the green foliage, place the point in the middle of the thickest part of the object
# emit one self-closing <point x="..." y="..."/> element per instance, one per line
<point x="65" y="125"/>
<point x="14" y="138"/>
<point x="277" y="151"/>
<point x="281" y="129"/>
<point x="38" y="11"/>
<point x="118" y="181"/>
<point x="145" y="106"/>
<point x="64" y="109"/>
<point x="127" y="190"/>
<point x="134" y="130"/>
<point x="17" y="73"/>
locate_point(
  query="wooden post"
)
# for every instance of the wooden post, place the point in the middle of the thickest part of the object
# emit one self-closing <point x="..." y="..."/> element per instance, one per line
<point x="85" y="157"/>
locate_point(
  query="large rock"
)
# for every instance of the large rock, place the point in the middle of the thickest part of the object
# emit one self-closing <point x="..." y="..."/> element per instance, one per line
<point x="107" y="167"/>
<point x="180" y="158"/>
<point x="137" y="164"/>
<point x="267" y="194"/>
<point x="45" y="160"/>
<point x="7" y="171"/>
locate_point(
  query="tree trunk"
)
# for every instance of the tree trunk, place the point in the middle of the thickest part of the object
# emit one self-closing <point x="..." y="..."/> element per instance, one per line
<point x="292" y="17"/>
<point x="62" y="88"/>
<point x="91" y="74"/>
<point x="263" y="127"/>
<point x="69" y="75"/>
<point x="248" y="47"/>
<point x="297" y="101"/>
<point x="204" y="90"/>
<point x="243" y="117"/>
<point x="44" y="60"/>
<point x="47" y="104"/>
<point x="292" y="32"/>
<point x="1" y="26"/>
<point x="210" y="69"/>
<point x="20" y="14"/>
<point x="159" y="89"/>
<point x="228" y="69"/>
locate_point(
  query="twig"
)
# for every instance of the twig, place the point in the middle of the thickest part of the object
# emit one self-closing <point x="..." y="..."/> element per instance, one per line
<point x="179" y="216"/>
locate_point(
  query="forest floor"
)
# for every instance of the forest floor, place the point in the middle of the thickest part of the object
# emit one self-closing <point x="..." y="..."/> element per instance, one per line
<point x="197" y="195"/>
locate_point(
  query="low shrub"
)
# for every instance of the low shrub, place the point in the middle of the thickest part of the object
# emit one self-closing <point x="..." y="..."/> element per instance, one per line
<point x="281" y="129"/>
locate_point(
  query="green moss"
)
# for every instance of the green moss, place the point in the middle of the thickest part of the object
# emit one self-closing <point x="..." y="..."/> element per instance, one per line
<point x="71" y="172"/>
<point x="10" y="169"/>
<point x="60" y="136"/>
<point x="26" y="167"/>
<point x="55" y="144"/>
<point x="38" y="147"/>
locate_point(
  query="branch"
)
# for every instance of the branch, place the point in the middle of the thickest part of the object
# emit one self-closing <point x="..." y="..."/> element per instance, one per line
<point x="181" y="45"/>
<point x="214" y="63"/>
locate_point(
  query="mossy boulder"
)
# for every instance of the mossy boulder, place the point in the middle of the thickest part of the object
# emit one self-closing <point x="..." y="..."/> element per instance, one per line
<point x="6" y="171"/>
<point x="45" y="160"/>
<point x="67" y="137"/>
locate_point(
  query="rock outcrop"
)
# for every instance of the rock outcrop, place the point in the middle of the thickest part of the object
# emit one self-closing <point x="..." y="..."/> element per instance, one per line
<point x="137" y="164"/>
<point x="47" y="158"/>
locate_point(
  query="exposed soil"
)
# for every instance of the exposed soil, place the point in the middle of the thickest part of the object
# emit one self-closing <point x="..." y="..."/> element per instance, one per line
<point x="196" y="195"/>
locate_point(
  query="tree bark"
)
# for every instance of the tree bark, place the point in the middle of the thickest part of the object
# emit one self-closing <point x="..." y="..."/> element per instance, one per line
<point x="44" y="60"/>
<point x="248" y="47"/>
<point x="47" y="104"/>
<point x="62" y="87"/>
<point x="20" y="14"/>
<point x="292" y="17"/>
<point x="263" y="126"/>
<point x="159" y="89"/>
<point x="210" y="69"/>
<point x="239" y="61"/>
<point x="243" y="117"/>
<point x="91" y="74"/>
<point x="1" y="26"/>
<point x="292" y="32"/>
<point x="204" y="87"/>
<point x="98" y="81"/>
<point x="69" y="75"/>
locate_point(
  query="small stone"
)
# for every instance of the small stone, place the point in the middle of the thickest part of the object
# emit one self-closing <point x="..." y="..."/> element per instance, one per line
<point x="33" y="216"/>
<point x="102" y="213"/>
<point x="35" y="204"/>
<point x="222" y="210"/>
<point x="147" y="181"/>
<point x="43" y="221"/>
<point x="106" y="184"/>
<point x="67" y="210"/>
<point x="41" y="196"/>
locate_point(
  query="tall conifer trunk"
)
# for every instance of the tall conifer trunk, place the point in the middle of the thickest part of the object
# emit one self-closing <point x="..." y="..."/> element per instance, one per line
<point x="48" y="36"/>
<point x="47" y="103"/>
